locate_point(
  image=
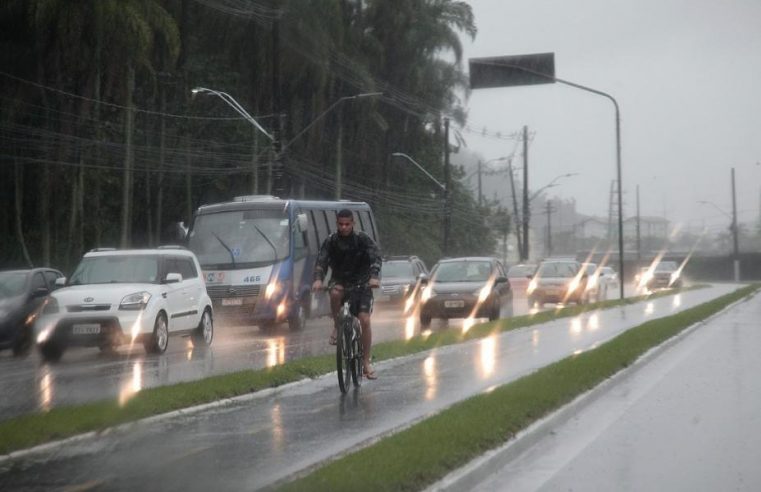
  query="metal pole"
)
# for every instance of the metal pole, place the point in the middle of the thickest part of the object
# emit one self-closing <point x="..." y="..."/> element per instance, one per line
<point x="479" y="183"/>
<point x="620" y="200"/>
<point x="446" y="187"/>
<point x="549" y="228"/>
<point x="736" y="254"/>
<point x="515" y="212"/>
<point x="526" y="211"/>
<point x="639" y="251"/>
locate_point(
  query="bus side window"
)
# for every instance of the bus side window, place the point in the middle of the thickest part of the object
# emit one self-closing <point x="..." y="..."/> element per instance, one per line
<point x="322" y="226"/>
<point x="331" y="216"/>
<point x="299" y="247"/>
<point x="313" y="242"/>
<point x="368" y="224"/>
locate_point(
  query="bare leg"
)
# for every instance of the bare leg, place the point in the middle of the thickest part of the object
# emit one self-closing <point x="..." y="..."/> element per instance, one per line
<point x="336" y="295"/>
<point x="367" y="340"/>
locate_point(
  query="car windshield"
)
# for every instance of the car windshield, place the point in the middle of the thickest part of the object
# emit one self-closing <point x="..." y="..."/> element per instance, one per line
<point x="666" y="266"/>
<point x="591" y="268"/>
<point x="117" y="269"/>
<point x="12" y="284"/>
<point x="520" y="271"/>
<point x="242" y="237"/>
<point x="557" y="270"/>
<point x="397" y="269"/>
<point x="463" y="271"/>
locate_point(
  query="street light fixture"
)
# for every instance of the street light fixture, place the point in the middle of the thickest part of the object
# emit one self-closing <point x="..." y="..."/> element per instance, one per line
<point x="551" y="184"/>
<point x="235" y="105"/>
<point x="540" y="68"/>
<point x="443" y="189"/>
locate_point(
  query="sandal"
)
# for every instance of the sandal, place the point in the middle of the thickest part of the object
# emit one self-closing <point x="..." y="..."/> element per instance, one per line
<point x="369" y="374"/>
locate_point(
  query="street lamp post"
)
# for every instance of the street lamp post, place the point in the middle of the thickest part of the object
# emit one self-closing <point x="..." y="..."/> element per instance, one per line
<point x="524" y="65"/>
<point x="440" y="185"/>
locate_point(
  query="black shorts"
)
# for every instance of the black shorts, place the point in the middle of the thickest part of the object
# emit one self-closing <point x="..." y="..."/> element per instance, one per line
<point x="360" y="300"/>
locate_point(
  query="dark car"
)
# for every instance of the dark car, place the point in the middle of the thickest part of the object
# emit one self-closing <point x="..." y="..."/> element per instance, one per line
<point x="466" y="287"/>
<point x="399" y="277"/>
<point x="22" y="293"/>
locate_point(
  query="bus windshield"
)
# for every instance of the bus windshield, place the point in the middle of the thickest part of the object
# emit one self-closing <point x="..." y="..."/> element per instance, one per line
<point x="240" y="238"/>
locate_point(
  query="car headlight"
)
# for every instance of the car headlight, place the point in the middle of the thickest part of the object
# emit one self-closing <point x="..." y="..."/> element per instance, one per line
<point x="532" y="286"/>
<point x="135" y="302"/>
<point x="483" y="293"/>
<point x="427" y="293"/>
<point x="273" y="289"/>
<point x="50" y="306"/>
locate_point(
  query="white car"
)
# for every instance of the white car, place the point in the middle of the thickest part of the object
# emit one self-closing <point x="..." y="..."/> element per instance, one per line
<point x="127" y="296"/>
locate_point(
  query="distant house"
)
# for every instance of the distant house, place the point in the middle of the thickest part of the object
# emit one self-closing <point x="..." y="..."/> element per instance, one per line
<point x="591" y="228"/>
<point x="656" y="227"/>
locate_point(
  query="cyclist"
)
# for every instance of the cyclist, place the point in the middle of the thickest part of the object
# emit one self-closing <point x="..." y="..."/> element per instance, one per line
<point x="355" y="260"/>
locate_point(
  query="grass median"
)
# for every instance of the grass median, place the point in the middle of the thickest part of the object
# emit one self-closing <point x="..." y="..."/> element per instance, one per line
<point x="427" y="451"/>
<point x="61" y="422"/>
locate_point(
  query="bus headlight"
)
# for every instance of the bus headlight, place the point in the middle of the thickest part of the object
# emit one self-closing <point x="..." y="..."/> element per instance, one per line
<point x="272" y="289"/>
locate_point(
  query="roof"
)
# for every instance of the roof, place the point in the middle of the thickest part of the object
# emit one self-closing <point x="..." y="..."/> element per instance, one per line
<point x="171" y="250"/>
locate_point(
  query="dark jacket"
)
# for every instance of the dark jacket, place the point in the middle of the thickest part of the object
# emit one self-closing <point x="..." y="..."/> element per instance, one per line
<point x="353" y="259"/>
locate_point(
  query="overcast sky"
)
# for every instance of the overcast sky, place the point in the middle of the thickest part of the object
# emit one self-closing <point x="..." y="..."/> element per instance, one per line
<point x="686" y="75"/>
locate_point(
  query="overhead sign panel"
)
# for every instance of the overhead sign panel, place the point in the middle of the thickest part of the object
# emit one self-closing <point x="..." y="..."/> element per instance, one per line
<point x="507" y="71"/>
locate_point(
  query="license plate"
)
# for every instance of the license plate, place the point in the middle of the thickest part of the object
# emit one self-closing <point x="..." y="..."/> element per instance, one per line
<point x="454" y="304"/>
<point x="88" y="329"/>
<point x="232" y="302"/>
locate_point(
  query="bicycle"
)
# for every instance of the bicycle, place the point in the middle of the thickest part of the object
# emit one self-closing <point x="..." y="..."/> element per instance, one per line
<point x="349" y="355"/>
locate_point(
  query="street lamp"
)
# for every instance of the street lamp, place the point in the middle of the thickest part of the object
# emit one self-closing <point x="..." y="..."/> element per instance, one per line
<point x="542" y="68"/>
<point x="441" y="186"/>
<point x="235" y="105"/>
<point x="551" y="184"/>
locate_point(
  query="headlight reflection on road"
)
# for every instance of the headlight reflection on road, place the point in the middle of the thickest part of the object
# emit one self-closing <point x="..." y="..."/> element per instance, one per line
<point x="277" y="427"/>
<point x="488" y="355"/>
<point x="594" y="322"/>
<point x="409" y="328"/>
<point x="429" y="370"/>
<point x="576" y="325"/>
<point x="535" y="339"/>
<point x="275" y="351"/>
<point x="677" y="301"/>
<point x="134" y="385"/>
<point x="46" y="390"/>
<point x="649" y="308"/>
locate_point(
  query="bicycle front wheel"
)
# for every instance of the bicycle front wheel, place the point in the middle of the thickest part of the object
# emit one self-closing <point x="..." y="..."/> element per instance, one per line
<point x="343" y="359"/>
<point x="356" y="360"/>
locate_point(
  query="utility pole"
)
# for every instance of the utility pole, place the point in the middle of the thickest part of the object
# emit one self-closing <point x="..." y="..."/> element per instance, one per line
<point x="639" y="252"/>
<point x="549" y="211"/>
<point x="526" y="234"/>
<point x="479" y="183"/>
<point x="736" y="255"/>
<point x="515" y="210"/>
<point x="275" y="169"/>
<point x="339" y="155"/>
<point x="446" y="187"/>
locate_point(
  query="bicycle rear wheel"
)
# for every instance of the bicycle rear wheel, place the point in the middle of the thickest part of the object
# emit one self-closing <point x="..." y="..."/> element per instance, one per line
<point x="343" y="357"/>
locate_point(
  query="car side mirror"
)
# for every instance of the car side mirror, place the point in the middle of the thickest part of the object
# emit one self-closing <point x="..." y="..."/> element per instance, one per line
<point x="529" y="277"/>
<point x="172" y="278"/>
<point x="500" y="280"/>
<point x="60" y="282"/>
<point x="40" y="292"/>
<point x="423" y="279"/>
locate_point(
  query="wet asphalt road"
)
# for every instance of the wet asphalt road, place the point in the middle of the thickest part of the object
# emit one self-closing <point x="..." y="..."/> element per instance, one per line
<point x="250" y="444"/>
<point x="86" y="374"/>
<point x="690" y="419"/>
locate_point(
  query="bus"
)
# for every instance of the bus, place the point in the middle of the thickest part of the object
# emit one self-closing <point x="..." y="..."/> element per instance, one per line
<point x="258" y="253"/>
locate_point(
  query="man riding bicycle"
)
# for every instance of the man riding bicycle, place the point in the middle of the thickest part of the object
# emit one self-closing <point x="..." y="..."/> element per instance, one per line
<point x="355" y="260"/>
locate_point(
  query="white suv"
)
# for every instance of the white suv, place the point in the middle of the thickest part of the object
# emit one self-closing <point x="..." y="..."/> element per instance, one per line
<point x="126" y="296"/>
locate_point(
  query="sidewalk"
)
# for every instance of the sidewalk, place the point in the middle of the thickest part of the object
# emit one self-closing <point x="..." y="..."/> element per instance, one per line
<point x="687" y="419"/>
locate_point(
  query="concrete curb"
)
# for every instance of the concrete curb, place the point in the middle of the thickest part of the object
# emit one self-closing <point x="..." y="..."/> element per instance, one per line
<point x="469" y="476"/>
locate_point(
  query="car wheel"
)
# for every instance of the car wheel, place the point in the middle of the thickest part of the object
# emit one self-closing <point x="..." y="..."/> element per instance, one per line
<point x="425" y="321"/>
<point x="51" y="351"/>
<point x="268" y="326"/>
<point x="23" y="343"/>
<point x="204" y="333"/>
<point x="158" y="341"/>
<point x="298" y="321"/>
<point x="494" y="312"/>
